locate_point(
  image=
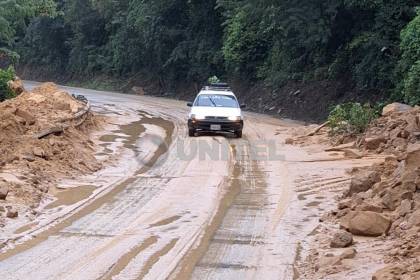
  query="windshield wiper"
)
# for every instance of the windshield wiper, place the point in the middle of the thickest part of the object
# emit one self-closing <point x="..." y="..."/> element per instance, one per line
<point x="212" y="101"/>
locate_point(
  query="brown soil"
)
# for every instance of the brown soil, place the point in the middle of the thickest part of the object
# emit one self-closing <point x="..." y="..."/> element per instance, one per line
<point x="29" y="166"/>
<point x="381" y="206"/>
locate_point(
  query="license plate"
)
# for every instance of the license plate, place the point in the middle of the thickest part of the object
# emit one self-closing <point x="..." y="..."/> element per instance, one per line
<point x="215" y="127"/>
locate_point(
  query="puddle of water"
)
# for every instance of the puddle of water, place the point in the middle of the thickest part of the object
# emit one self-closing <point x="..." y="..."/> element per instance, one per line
<point x="110" y="138"/>
<point x="106" y="149"/>
<point x="133" y="132"/>
<point x="156" y="256"/>
<point x="125" y="259"/>
<point x="25" y="228"/>
<point x="313" y="204"/>
<point x="70" y="196"/>
<point x="302" y="196"/>
<point x="165" y="221"/>
<point x="102" y="154"/>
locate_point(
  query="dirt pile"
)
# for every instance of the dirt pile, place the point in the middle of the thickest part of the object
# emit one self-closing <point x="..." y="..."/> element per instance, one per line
<point x="398" y="127"/>
<point x="389" y="206"/>
<point x="44" y="135"/>
<point x="382" y="202"/>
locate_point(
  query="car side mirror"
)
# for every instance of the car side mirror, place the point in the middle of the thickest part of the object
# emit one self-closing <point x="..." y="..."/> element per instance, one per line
<point x="189" y="104"/>
<point x="243" y="106"/>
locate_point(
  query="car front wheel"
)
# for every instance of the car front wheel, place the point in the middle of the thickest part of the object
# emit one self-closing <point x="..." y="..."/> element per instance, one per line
<point x="191" y="132"/>
<point x="238" y="133"/>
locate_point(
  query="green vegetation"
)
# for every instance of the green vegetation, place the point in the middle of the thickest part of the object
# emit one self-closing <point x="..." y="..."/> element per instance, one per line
<point x="351" y="118"/>
<point x="14" y="15"/>
<point x="6" y="76"/>
<point x="410" y="61"/>
<point x="372" y="45"/>
<point x="213" y="80"/>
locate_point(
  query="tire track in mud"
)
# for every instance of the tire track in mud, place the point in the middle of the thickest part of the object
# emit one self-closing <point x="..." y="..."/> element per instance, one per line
<point x="232" y="243"/>
<point x="233" y="187"/>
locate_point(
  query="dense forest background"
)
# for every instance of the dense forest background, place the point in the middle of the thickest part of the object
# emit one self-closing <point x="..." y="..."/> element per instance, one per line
<point x="278" y="54"/>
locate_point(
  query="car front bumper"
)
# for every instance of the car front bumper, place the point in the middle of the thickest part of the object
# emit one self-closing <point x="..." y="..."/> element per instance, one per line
<point x="205" y="125"/>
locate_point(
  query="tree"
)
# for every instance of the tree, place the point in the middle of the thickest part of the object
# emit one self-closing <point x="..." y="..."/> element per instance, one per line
<point x="14" y="15"/>
<point x="410" y="61"/>
<point x="183" y="42"/>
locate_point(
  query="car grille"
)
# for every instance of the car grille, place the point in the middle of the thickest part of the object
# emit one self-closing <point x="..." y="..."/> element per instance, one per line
<point x="216" y="118"/>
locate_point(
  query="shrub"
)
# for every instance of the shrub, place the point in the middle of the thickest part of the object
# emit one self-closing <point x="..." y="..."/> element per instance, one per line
<point x="411" y="89"/>
<point x="6" y="75"/>
<point x="351" y="118"/>
<point x="213" y="80"/>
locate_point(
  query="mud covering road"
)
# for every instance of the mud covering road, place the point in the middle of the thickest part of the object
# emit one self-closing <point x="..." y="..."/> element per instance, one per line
<point x="165" y="212"/>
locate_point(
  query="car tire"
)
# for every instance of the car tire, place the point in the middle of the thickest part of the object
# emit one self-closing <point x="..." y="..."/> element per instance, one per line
<point x="238" y="133"/>
<point x="191" y="132"/>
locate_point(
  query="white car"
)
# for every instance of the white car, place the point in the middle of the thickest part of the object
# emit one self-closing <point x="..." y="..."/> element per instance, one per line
<point x="215" y="109"/>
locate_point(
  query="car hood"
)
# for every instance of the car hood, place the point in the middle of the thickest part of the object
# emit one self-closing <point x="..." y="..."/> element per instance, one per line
<point x="216" y="111"/>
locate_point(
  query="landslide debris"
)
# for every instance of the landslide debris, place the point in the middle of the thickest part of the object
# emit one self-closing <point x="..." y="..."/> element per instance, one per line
<point x="382" y="202"/>
<point x="31" y="164"/>
<point x="398" y="127"/>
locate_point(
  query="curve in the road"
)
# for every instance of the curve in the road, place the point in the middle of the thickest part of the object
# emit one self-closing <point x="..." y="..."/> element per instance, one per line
<point x="206" y="219"/>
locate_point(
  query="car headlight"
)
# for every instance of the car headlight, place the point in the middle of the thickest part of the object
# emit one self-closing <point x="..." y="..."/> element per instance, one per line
<point x="197" y="117"/>
<point x="235" y="118"/>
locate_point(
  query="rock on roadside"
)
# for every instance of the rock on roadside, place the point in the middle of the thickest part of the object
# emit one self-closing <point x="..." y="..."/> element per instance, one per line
<point x="395" y="108"/>
<point x="366" y="223"/>
<point x="4" y="190"/>
<point x="389" y="273"/>
<point x="363" y="181"/>
<point x="348" y="253"/>
<point x="12" y="213"/>
<point x="341" y="239"/>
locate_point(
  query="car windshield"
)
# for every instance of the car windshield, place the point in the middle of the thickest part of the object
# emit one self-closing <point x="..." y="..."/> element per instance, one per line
<point x="216" y="100"/>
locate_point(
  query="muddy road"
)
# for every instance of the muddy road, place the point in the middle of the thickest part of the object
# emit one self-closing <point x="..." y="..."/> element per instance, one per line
<point x="211" y="207"/>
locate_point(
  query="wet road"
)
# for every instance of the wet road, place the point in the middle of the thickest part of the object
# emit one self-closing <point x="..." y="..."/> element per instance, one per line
<point x="170" y="213"/>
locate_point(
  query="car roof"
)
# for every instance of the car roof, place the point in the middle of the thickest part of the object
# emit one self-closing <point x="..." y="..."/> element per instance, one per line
<point x="216" y="92"/>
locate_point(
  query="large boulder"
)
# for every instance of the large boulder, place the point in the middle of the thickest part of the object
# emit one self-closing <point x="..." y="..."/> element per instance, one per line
<point x="363" y="181"/>
<point x="395" y="108"/>
<point x="373" y="143"/>
<point x="366" y="223"/>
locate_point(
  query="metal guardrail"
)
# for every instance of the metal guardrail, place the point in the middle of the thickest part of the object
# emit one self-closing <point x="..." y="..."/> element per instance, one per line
<point x="78" y="118"/>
